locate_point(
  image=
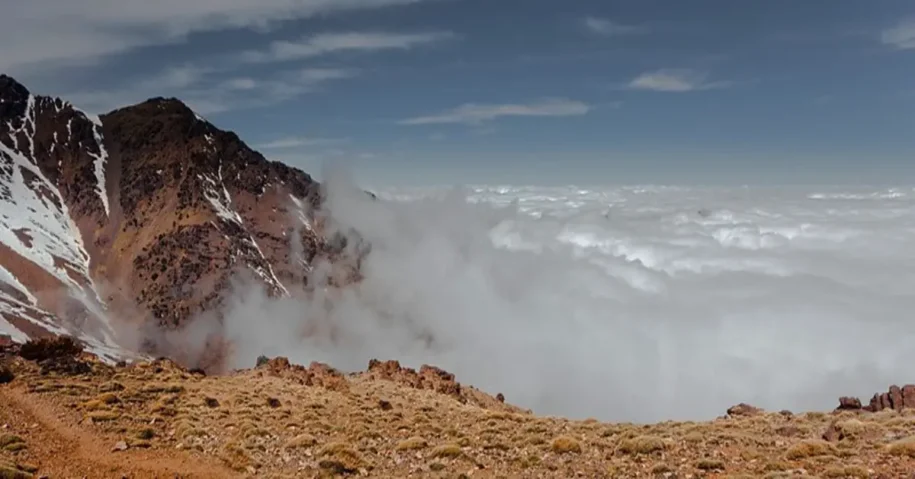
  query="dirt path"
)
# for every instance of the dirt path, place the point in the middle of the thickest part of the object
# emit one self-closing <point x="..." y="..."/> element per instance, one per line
<point x="61" y="449"/>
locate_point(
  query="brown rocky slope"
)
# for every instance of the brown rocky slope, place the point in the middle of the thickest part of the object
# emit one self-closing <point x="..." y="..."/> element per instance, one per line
<point x="145" y="213"/>
<point x="65" y="414"/>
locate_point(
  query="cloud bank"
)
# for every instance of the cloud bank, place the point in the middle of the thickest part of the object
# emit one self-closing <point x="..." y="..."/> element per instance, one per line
<point x="639" y="304"/>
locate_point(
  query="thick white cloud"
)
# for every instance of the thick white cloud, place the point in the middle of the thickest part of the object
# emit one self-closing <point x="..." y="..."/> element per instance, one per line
<point x="640" y="304"/>
<point x="473" y="113"/>
<point x="675" y="80"/>
<point x="333" y="42"/>
<point x="35" y="33"/>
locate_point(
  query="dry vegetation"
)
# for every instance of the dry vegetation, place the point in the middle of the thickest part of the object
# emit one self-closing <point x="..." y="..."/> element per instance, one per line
<point x="279" y="421"/>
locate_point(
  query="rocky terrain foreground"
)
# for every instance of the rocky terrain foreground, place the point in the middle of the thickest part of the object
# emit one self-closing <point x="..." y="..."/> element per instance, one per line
<point x="64" y="413"/>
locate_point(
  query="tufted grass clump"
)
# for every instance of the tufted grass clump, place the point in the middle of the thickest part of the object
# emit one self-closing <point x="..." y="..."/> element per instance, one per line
<point x="447" y="451"/>
<point x="565" y="445"/>
<point x="810" y="448"/>
<point x="903" y="447"/>
<point x="301" y="441"/>
<point x="641" y="445"/>
<point x="411" y="444"/>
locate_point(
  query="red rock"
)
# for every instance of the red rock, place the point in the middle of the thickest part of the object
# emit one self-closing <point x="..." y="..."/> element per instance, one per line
<point x="849" y="403"/>
<point x="908" y="396"/>
<point x="895" y="397"/>
<point x="743" y="409"/>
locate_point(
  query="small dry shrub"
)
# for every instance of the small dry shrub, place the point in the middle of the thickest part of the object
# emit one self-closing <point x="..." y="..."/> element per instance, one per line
<point x="855" y="472"/>
<point x="411" y="444"/>
<point x="94" y="405"/>
<point x="810" y="448"/>
<point x="339" y="458"/>
<point x="12" y="443"/>
<point x="301" y="441"/>
<point x="642" y="445"/>
<point x="10" y="472"/>
<point x="108" y="398"/>
<point x="565" y="445"/>
<point x="235" y="457"/>
<point x="446" y="450"/>
<point x="904" y="447"/>
<point x="710" y="465"/>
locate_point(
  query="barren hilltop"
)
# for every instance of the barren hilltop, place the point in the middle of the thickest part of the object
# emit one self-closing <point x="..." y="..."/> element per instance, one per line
<point x="145" y="214"/>
<point x="64" y="413"/>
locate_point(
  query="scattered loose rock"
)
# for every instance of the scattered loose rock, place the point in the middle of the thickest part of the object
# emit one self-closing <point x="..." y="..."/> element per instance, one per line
<point x="6" y="375"/>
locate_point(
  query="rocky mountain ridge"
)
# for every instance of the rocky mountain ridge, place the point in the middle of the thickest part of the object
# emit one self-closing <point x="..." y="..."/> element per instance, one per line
<point x="142" y="214"/>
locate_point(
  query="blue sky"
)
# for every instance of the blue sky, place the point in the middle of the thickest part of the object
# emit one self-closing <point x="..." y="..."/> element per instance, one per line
<point x="507" y="91"/>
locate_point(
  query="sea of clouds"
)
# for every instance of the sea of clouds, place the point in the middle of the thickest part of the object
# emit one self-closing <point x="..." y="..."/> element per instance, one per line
<point x="620" y="303"/>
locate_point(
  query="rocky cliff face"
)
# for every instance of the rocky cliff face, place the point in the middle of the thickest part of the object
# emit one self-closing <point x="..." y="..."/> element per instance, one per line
<point x="143" y="214"/>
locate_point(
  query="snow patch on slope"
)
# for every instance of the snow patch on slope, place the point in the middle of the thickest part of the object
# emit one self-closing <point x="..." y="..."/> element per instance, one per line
<point x="301" y="213"/>
<point x="38" y="209"/>
<point x="35" y="223"/>
<point x="101" y="160"/>
<point x="10" y="279"/>
<point x="216" y="193"/>
<point x="9" y="330"/>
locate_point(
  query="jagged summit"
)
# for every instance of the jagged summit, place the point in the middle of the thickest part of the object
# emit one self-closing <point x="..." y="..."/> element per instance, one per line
<point x="148" y="209"/>
<point x="13" y="97"/>
<point x="8" y="83"/>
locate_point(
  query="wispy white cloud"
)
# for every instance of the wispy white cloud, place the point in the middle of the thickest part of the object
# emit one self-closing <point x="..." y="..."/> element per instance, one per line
<point x="37" y="33"/>
<point x="603" y="26"/>
<point x="475" y="113"/>
<point x="676" y="80"/>
<point x="291" y="142"/>
<point x="901" y="36"/>
<point x="326" y="43"/>
<point x="206" y="94"/>
<point x="318" y="75"/>
<point x="242" y="83"/>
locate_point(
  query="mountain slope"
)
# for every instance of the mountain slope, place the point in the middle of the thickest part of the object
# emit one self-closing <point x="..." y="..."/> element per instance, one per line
<point x="71" y="416"/>
<point x="145" y="213"/>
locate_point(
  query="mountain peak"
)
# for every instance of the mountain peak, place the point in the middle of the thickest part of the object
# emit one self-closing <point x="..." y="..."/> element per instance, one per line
<point x="152" y="197"/>
<point x="9" y="83"/>
<point x="13" y="96"/>
<point x="157" y="106"/>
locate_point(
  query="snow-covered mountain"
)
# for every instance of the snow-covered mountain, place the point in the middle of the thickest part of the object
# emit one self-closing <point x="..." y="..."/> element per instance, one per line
<point x="141" y="215"/>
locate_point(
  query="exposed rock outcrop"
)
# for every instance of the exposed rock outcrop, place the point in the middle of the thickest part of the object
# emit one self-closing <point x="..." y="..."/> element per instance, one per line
<point x="438" y="380"/>
<point x="896" y="398"/>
